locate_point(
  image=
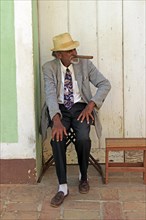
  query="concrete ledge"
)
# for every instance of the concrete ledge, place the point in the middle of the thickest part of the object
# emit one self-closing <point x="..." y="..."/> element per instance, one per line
<point x="17" y="171"/>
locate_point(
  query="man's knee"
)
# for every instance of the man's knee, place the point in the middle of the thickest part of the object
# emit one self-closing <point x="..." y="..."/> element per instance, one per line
<point x="82" y="136"/>
<point x="83" y="142"/>
<point x="83" y="139"/>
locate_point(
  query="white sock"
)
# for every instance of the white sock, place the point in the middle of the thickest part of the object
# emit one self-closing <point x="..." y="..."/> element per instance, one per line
<point x="80" y="176"/>
<point x="63" y="188"/>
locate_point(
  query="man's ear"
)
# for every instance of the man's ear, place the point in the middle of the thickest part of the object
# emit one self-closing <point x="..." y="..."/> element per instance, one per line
<point x="58" y="55"/>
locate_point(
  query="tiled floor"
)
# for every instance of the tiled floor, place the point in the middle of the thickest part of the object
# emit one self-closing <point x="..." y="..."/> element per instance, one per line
<point x="124" y="198"/>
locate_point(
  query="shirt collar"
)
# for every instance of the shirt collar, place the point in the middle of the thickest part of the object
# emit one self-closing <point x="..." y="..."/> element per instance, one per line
<point x="64" y="67"/>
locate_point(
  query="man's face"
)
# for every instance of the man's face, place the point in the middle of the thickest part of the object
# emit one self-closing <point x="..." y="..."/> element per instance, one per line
<point x="65" y="56"/>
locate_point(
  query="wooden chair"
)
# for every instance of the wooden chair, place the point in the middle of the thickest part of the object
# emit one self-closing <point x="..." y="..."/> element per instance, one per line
<point x="71" y="139"/>
<point x="125" y="144"/>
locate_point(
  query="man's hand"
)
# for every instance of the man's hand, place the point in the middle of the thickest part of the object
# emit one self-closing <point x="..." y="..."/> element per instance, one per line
<point x="87" y="113"/>
<point x="58" y="130"/>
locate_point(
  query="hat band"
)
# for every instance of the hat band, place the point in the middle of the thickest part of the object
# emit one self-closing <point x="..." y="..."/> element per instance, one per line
<point x="62" y="46"/>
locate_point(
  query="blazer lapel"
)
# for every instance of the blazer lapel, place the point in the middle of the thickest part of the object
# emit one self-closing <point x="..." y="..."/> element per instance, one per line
<point x="58" y="76"/>
<point x="78" y="75"/>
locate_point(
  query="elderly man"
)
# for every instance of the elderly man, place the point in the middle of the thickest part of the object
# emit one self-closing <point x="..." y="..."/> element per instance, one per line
<point x="71" y="105"/>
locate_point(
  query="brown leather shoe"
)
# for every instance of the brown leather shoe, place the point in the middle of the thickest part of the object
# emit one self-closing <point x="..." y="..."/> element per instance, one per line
<point x="84" y="186"/>
<point x="58" y="199"/>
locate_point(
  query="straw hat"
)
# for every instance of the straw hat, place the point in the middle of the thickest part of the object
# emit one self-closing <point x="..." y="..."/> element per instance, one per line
<point x="64" y="42"/>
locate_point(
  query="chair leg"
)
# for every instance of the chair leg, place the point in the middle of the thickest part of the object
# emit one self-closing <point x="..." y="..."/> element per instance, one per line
<point x="144" y="164"/>
<point x="96" y="166"/>
<point x="106" y="166"/>
<point x="45" y="167"/>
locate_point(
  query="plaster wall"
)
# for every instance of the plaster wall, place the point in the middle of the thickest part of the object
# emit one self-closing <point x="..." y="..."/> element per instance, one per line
<point x="8" y="96"/>
<point x="25" y="147"/>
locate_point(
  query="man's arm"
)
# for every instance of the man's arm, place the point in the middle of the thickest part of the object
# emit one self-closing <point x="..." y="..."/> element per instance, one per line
<point x="103" y="87"/>
<point x="100" y="82"/>
<point x="50" y="88"/>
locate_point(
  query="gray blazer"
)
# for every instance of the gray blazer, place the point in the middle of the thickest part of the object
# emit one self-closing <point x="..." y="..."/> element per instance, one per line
<point x="85" y="72"/>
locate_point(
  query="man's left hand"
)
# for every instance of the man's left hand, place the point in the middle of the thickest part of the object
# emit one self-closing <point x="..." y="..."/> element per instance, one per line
<point x="87" y="113"/>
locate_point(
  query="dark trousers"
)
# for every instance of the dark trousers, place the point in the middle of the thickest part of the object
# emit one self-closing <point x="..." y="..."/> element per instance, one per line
<point x="82" y="145"/>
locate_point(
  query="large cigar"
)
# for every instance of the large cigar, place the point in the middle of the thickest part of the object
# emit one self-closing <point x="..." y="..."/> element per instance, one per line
<point x="83" y="56"/>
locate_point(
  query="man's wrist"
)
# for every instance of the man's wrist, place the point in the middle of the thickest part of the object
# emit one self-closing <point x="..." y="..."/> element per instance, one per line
<point x="56" y="118"/>
<point x="92" y="104"/>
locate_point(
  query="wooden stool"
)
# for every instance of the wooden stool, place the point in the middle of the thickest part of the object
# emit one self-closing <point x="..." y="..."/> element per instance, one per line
<point x="125" y="144"/>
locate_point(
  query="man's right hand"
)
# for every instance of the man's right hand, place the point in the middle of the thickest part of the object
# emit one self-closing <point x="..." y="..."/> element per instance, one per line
<point x="58" y="130"/>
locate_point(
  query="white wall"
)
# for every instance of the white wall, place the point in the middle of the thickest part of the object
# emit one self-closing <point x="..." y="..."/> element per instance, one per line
<point x="114" y="33"/>
<point x="26" y="146"/>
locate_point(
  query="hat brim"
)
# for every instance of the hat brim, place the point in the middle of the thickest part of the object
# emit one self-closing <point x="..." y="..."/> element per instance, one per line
<point x="72" y="46"/>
